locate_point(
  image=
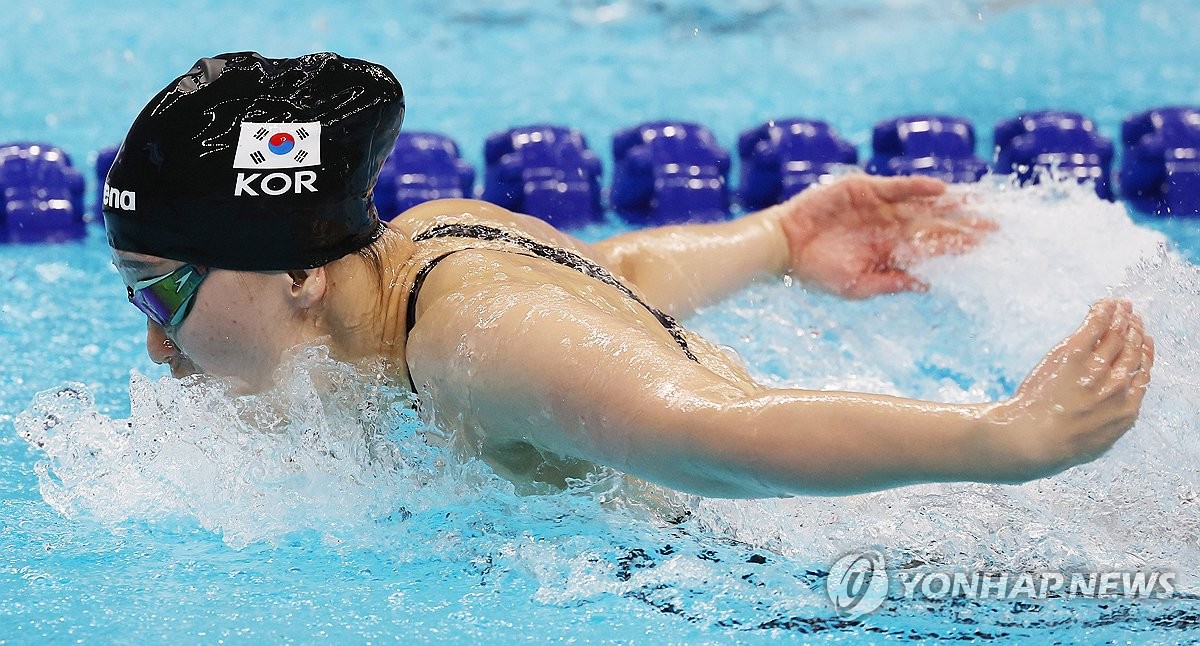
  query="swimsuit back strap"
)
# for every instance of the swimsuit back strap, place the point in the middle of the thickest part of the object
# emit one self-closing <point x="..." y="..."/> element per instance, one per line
<point x="561" y="257"/>
<point x="410" y="318"/>
<point x="553" y="254"/>
<point x="419" y="281"/>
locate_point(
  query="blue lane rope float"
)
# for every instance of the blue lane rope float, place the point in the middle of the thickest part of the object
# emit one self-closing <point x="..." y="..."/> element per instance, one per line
<point x="422" y="166"/>
<point x="939" y="146"/>
<point x="780" y="158"/>
<point x="545" y="171"/>
<point x="676" y="171"/>
<point x="43" y="194"/>
<point x="669" y="171"/>
<point x="1161" y="169"/>
<point x="1065" y="141"/>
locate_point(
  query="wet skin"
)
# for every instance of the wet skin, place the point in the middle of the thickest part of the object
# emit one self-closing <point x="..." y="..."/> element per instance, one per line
<point x="545" y="370"/>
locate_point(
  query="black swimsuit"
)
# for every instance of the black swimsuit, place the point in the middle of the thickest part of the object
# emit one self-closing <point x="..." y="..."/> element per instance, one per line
<point x="536" y="249"/>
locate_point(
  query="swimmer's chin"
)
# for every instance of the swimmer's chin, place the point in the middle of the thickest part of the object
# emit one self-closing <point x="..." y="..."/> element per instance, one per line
<point x="189" y="373"/>
<point x="183" y="368"/>
<point x="183" y="373"/>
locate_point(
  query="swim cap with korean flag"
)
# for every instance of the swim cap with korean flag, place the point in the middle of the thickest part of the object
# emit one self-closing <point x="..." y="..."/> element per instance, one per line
<point x="254" y="163"/>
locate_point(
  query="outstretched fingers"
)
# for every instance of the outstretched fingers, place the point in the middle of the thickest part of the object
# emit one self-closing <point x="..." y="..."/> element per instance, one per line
<point x="1141" y="377"/>
<point x="1093" y="329"/>
<point x="1083" y="401"/>
<point x="898" y="189"/>
<point x="1130" y="358"/>
<point x="944" y="206"/>
<point x="1114" y="338"/>
<point x="944" y="224"/>
<point x="936" y="237"/>
<point x="1130" y="367"/>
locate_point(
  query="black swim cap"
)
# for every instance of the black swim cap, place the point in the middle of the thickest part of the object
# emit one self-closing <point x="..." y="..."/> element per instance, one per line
<point x="255" y="163"/>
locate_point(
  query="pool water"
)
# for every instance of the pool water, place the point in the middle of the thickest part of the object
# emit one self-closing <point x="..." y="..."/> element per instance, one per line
<point x="138" y="508"/>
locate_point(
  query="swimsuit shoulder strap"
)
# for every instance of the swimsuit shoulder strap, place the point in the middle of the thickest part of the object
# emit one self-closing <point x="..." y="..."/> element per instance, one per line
<point x="535" y="248"/>
<point x="419" y="281"/>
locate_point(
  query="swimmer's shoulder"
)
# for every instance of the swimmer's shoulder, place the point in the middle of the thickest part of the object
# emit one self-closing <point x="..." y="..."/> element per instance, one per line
<point x="464" y="211"/>
<point x="427" y="214"/>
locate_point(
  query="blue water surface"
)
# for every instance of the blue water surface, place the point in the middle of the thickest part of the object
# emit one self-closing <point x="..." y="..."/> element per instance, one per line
<point x="441" y="549"/>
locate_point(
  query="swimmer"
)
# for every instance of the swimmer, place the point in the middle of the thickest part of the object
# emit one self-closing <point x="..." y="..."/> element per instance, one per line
<point x="240" y="216"/>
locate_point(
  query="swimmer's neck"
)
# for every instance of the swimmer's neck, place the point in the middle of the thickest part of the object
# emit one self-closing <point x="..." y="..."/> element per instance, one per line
<point x="364" y="312"/>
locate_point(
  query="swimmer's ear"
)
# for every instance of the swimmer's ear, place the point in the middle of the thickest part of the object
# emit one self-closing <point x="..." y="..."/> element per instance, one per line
<point x="308" y="286"/>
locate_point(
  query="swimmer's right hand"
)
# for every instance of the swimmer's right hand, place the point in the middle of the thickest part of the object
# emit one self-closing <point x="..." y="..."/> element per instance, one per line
<point x="1082" y="397"/>
<point x="858" y="236"/>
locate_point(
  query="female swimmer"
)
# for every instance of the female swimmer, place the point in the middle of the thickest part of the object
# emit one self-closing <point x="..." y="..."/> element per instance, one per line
<point x="240" y="217"/>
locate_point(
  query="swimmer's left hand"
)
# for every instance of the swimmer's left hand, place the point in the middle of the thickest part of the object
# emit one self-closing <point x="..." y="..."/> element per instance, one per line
<point x="858" y="236"/>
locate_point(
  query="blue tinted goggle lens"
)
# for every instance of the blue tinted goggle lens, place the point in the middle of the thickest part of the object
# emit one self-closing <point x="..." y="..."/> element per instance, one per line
<point x="167" y="299"/>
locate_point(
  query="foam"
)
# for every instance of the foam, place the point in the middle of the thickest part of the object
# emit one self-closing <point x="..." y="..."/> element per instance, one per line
<point x="337" y="451"/>
<point x="314" y="453"/>
<point x="989" y="316"/>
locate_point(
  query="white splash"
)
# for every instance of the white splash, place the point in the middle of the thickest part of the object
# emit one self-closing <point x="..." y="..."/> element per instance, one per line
<point x="335" y="451"/>
<point x="320" y="452"/>
<point x="990" y="315"/>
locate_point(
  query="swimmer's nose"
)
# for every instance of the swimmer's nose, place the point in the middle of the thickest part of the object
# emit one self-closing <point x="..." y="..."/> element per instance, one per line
<point x="160" y="347"/>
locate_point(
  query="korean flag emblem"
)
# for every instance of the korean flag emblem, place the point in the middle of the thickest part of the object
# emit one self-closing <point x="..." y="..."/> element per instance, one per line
<point x="278" y="145"/>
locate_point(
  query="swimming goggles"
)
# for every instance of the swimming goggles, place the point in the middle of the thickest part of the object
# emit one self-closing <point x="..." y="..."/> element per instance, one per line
<point x="167" y="299"/>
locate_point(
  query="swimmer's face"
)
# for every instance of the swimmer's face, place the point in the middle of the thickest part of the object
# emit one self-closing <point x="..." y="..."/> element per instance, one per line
<point x="236" y="329"/>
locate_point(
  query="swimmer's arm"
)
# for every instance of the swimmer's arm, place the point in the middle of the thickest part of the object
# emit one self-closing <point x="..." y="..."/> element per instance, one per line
<point x="672" y="267"/>
<point x="683" y="267"/>
<point x="855" y="238"/>
<point x="555" y="372"/>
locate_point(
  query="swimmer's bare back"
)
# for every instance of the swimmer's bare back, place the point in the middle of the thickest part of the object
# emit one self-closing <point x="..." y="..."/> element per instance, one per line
<point x="528" y="357"/>
<point x="501" y="269"/>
